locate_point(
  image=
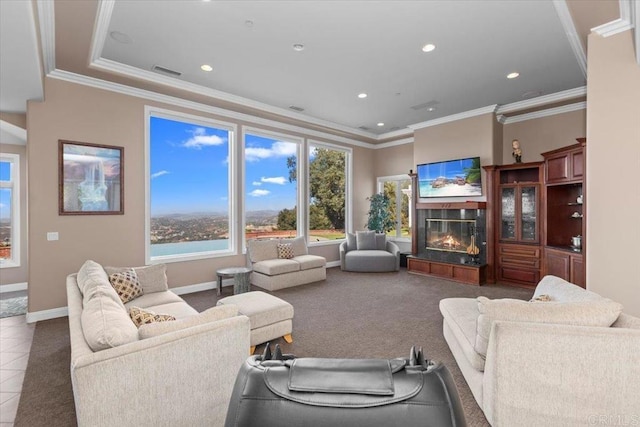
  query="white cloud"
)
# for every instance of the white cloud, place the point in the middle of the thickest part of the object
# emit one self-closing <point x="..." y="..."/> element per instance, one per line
<point x="280" y="180"/>
<point x="159" y="173"/>
<point x="201" y="139"/>
<point x="259" y="193"/>
<point x="256" y="183"/>
<point x="277" y="149"/>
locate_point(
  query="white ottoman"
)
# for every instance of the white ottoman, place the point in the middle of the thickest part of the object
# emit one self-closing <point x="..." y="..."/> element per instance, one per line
<point x="270" y="316"/>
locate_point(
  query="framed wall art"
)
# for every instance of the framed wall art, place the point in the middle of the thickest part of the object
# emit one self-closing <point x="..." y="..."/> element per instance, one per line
<point x="91" y="179"/>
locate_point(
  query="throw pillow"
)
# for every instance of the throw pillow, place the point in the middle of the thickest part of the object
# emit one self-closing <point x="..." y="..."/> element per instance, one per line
<point x="299" y="245"/>
<point x="381" y="241"/>
<point x="541" y="298"/>
<point x="153" y="278"/>
<point x="208" y="316"/>
<point x="352" y="244"/>
<point x="126" y="284"/>
<point x="141" y="316"/>
<point x="366" y="240"/>
<point x="285" y="251"/>
<point x="105" y="323"/>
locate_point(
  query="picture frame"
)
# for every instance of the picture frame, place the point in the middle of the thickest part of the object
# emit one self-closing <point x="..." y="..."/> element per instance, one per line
<point x="90" y="179"/>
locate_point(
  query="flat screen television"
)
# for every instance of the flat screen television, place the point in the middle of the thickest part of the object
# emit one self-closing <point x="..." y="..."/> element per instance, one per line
<point x="451" y="178"/>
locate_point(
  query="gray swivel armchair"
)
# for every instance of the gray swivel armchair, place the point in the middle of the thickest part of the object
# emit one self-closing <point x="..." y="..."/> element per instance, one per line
<point x="368" y="251"/>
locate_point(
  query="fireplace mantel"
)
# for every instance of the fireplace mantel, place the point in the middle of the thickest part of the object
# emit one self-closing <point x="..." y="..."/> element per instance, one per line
<point x="452" y="205"/>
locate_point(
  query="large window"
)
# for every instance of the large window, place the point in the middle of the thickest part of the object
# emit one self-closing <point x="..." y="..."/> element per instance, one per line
<point x="398" y="190"/>
<point x="190" y="206"/>
<point x="328" y="192"/>
<point x="271" y="190"/>
<point x="9" y="210"/>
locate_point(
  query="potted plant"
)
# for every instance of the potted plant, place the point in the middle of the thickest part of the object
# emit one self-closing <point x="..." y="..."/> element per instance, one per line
<point x="380" y="219"/>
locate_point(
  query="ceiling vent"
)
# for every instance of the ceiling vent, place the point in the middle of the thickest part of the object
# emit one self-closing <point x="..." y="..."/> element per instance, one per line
<point x="364" y="128"/>
<point x="425" y="105"/>
<point x="167" y="71"/>
<point x="296" y="108"/>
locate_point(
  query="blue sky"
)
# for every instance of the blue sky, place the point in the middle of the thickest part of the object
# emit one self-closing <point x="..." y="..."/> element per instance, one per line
<point x="5" y="193"/>
<point x="189" y="170"/>
<point x="448" y="169"/>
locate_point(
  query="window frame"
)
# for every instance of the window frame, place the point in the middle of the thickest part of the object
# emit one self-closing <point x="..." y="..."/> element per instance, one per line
<point x="14" y="185"/>
<point x="398" y="219"/>
<point x="232" y="199"/>
<point x="348" y="189"/>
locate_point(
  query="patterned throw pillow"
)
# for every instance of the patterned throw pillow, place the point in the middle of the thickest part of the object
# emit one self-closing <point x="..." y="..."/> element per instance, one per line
<point x="141" y="316"/>
<point x="126" y="284"/>
<point x="541" y="298"/>
<point x="285" y="250"/>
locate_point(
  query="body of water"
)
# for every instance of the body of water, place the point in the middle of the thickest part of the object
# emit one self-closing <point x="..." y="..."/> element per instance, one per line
<point x="163" y="249"/>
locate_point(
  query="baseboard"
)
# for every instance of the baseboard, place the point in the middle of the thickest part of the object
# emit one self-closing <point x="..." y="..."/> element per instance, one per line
<point x="333" y="264"/>
<point x="53" y="313"/>
<point x="13" y="287"/>
<point x="199" y="287"/>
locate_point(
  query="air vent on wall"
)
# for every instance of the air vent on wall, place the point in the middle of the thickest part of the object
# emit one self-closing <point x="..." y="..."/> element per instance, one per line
<point x="364" y="128"/>
<point x="164" y="70"/>
<point x="295" y="108"/>
<point x="425" y="105"/>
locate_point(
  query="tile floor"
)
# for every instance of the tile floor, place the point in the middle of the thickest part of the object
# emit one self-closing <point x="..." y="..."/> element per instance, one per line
<point x="15" y="343"/>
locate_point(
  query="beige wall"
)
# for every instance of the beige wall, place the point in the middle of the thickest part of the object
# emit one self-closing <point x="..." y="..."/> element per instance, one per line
<point x="79" y="113"/>
<point x="12" y="275"/>
<point x="544" y="134"/>
<point x="395" y="160"/>
<point x="463" y="138"/>
<point x="364" y="185"/>
<point x="613" y="167"/>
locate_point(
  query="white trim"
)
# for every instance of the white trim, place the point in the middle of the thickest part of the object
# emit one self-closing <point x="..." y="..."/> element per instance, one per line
<point x="624" y="23"/>
<point x="100" y="29"/>
<point x="53" y="313"/>
<point x="13" y="287"/>
<point x="46" y="18"/>
<point x="199" y="287"/>
<point x="634" y="18"/>
<point x="332" y="264"/>
<point x="395" y="134"/>
<point x="543" y="113"/>
<point x="542" y="100"/>
<point x="455" y="117"/>
<point x="572" y="35"/>
<point x="14" y="130"/>
<point x="394" y="143"/>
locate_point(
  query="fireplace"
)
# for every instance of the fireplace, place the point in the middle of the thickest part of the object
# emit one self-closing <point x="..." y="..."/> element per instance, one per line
<point x="450" y="235"/>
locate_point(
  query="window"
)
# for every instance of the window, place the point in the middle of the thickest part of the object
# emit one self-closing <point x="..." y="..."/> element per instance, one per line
<point x="9" y="210"/>
<point x="190" y="188"/>
<point x="271" y="190"/>
<point x="398" y="190"/>
<point x="328" y="192"/>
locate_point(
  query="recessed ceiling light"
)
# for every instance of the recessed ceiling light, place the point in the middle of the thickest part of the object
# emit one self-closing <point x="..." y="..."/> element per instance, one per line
<point x="512" y="75"/>
<point x="298" y="47"/>
<point x="428" y="47"/>
<point x="248" y="23"/>
<point x="206" y="67"/>
<point x="380" y="124"/>
<point x="431" y="109"/>
<point x="120" y="37"/>
<point x="362" y="95"/>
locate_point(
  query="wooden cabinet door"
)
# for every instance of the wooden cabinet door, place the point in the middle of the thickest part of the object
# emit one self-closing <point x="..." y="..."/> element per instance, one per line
<point x="557" y="263"/>
<point x="577" y="271"/>
<point x="557" y="168"/>
<point x="577" y="165"/>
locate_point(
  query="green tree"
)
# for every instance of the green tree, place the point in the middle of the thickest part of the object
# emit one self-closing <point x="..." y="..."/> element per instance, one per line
<point x="473" y="172"/>
<point x="287" y="219"/>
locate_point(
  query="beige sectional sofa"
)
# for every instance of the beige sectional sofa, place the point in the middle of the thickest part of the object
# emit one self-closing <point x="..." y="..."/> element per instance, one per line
<point x="273" y="272"/>
<point x="178" y="372"/>
<point x="573" y="360"/>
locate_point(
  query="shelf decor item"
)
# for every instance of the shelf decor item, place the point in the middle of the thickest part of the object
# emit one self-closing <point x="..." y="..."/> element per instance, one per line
<point x="517" y="151"/>
<point x="90" y="179"/>
<point x="380" y="219"/>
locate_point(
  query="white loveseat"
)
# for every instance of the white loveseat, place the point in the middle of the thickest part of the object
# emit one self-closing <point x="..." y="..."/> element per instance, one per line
<point x="571" y="361"/>
<point x="273" y="272"/>
<point x="178" y="372"/>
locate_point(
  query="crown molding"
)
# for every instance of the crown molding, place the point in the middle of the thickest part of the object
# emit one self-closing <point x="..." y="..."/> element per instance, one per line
<point x="624" y="23"/>
<point x="394" y="143"/>
<point x="15" y="131"/>
<point x="100" y="29"/>
<point x="454" y="117"/>
<point x="542" y="100"/>
<point x="543" y="113"/>
<point x="179" y="102"/>
<point x="572" y="34"/>
<point x="47" y="25"/>
<point x="395" y="134"/>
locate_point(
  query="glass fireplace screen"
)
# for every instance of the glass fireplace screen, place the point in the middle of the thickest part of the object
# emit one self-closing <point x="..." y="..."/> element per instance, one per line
<point x="450" y="235"/>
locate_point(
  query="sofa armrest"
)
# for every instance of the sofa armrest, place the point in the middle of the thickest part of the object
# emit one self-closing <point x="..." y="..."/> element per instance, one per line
<point x="395" y="250"/>
<point x="343" y="251"/>
<point x="193" y="368"/>
<point x="559" y="375"/>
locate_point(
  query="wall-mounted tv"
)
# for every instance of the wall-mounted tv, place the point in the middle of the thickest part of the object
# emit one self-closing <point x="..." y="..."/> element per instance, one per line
<point x="451" y="178"/>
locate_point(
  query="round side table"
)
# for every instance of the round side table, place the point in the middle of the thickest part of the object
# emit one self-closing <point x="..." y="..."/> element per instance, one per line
<point x="241" y="277"/>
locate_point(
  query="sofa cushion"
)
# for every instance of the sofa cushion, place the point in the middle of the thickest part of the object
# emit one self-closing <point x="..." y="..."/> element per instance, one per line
<point x="299" y="245"/>
<point x="179" y="310"/>
<point x="154" y="299"/>
<point x="105" y="321"/>
<point x="260" y="250"/>
<point x="285" y="251"/>
<point x="381" y="241"/>
<point x="461" y="315"/>
<point x="352" y="244"/>
<point x="90" y="275"/>
<point x="370" y="261"/>
<point x="141" y="316"/>
<point x="126" y="284"/>
<point x="272" y="267"/>
<point x="153" y="278"/>
<point x="560" y="290"/>
<point x="261" y="308"/>
<point x="211" y="315"/>
<point x="598" y="312"/>
<point x="310" y="261"/>
<point x="366" y="240"/>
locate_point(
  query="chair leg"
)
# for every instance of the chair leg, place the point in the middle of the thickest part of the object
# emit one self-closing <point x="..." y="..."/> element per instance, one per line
<point x="288" y="338"/>
<point x="252" y="349"/>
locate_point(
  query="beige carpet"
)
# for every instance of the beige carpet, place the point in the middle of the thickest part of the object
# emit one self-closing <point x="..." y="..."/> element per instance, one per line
<point x="351" y="315"/>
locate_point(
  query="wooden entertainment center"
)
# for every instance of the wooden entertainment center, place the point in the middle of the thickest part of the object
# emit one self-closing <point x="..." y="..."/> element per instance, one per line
<point x="534" y="224"/>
